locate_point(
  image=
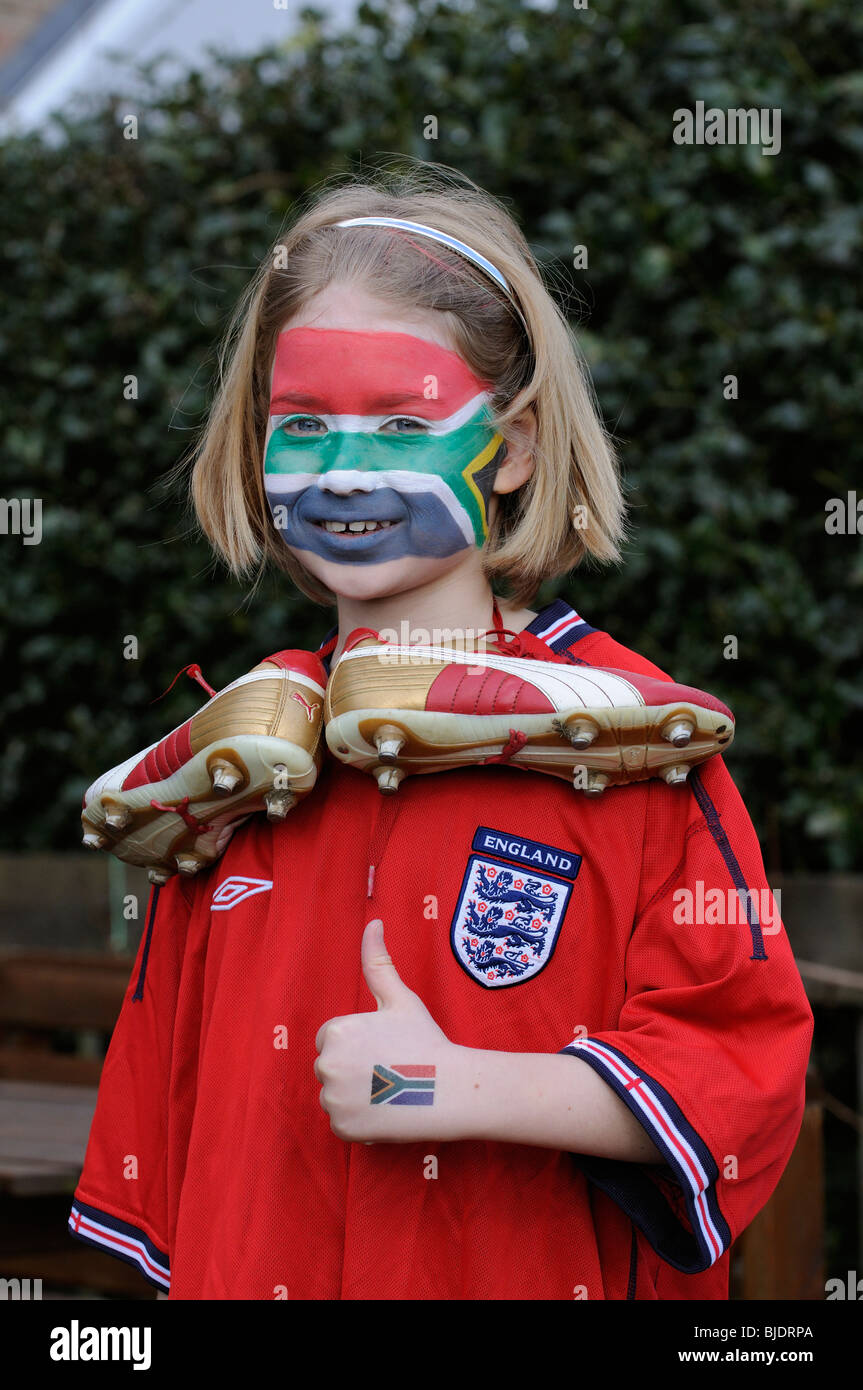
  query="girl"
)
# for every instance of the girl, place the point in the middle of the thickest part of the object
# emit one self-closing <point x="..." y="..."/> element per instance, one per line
<point x="470" y="1040"/>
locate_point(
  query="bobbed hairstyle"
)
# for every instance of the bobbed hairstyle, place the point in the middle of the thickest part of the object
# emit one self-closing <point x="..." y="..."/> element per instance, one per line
<point x="571" y="508"/>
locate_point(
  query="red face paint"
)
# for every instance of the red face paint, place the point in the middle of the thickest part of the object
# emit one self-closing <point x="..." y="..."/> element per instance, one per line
<point x="341" y="372"/>
<point x="336" y="451"/>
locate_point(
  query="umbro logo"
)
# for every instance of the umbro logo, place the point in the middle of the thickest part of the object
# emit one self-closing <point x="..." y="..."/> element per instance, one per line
<point x="236" y="889"/>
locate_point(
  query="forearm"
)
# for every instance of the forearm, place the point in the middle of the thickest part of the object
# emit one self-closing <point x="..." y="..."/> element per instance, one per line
<point x="552" y="1100"/>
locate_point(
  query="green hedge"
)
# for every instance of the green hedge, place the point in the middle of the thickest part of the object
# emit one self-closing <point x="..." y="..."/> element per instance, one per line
<point x="126" y="256"/>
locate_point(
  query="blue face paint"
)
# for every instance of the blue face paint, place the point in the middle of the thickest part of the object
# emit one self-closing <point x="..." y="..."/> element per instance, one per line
<point x="340" y="450"/>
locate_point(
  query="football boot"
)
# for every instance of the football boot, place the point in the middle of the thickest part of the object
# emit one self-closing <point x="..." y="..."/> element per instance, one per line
<point x="394" y="711"/>
<point x="254" y="746"/>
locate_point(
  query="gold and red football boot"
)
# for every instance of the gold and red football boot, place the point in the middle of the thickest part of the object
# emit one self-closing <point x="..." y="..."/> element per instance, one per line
<point x="397" y="710"/>
<point x="255" y="746"/>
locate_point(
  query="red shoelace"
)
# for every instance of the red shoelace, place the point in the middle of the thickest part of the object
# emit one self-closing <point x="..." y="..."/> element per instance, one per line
<point x="195" y="673"/>
<point x="182" y="810"/>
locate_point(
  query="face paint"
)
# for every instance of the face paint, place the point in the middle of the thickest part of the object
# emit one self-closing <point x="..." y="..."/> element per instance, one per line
<point x="340" y="449"/>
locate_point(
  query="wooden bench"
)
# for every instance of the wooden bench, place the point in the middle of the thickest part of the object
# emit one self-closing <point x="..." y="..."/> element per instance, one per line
<point x="780" y="1255"/>
<point x="57" y="1012"/>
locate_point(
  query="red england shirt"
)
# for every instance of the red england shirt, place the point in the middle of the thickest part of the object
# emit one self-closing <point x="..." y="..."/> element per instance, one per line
<point x="211" y="1165"/>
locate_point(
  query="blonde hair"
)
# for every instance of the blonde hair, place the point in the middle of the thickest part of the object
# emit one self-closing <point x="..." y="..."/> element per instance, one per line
<point x="570" y="508"/>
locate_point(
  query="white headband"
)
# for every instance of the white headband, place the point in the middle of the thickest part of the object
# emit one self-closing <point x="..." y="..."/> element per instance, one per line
<point x="445" y="240"/>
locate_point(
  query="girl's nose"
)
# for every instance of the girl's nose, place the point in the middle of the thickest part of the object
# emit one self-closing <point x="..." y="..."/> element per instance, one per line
<point x="345" y="480"/>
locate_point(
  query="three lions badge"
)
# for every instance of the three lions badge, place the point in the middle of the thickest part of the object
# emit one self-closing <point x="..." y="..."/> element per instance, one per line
<point x="511" y="906"/>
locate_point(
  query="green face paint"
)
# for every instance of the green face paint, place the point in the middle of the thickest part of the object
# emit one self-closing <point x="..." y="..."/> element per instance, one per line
<point x="423" y="468"/>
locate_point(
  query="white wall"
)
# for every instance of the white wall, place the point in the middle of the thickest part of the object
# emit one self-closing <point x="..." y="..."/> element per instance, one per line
<point x="96" y="55"/>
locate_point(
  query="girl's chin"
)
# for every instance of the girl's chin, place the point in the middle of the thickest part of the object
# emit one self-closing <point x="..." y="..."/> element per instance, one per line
<point x="366" y="582"/>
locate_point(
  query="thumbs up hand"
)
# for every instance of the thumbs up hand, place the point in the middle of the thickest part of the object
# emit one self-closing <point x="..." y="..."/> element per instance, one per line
<point x="391" y="1076"/>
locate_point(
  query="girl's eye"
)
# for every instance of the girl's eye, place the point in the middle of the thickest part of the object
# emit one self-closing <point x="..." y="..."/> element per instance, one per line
<point x="404" y="424"/>
<point x="303" y="424"/>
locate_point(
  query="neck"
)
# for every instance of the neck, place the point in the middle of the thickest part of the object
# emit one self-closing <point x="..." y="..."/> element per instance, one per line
<point x="455" y="608"/>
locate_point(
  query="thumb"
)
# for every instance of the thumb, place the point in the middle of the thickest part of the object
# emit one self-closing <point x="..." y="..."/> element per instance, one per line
<point x="379" y="972"/>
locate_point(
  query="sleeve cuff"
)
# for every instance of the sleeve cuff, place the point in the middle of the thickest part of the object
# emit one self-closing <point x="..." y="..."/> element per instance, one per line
<point x="106" y="1232"/>
<point x="691" y="1247"/>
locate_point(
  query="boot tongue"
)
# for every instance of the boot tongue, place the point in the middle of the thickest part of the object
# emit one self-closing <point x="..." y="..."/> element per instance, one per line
<point x="360" y="634"/>
<point x="527" y="644"/>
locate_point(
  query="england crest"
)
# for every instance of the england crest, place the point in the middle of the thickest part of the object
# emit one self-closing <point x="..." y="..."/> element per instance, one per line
<point x="507" y="920"/>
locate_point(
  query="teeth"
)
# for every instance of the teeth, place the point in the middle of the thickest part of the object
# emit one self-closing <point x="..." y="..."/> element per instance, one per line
<point x="356" y="525"/>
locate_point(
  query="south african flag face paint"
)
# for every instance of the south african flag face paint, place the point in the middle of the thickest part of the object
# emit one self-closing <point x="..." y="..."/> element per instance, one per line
<point x="378" y="427"/>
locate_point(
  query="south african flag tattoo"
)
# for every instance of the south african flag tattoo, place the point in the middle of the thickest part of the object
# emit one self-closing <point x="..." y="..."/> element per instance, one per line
<point x="402" y="1085"/>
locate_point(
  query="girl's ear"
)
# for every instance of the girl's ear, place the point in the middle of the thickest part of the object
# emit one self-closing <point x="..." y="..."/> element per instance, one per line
<point x="519" y="463"/>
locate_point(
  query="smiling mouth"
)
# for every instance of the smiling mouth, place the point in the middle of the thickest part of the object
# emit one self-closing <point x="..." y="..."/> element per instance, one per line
<point x="353" y="528"/>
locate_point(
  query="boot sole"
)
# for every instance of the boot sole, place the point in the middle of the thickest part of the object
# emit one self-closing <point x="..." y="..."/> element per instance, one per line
<point x="155" y="838"/>
<point x="627" y="743"/>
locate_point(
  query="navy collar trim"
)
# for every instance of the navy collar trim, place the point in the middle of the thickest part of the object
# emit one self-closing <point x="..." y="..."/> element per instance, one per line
<point x="558" y="625"/>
